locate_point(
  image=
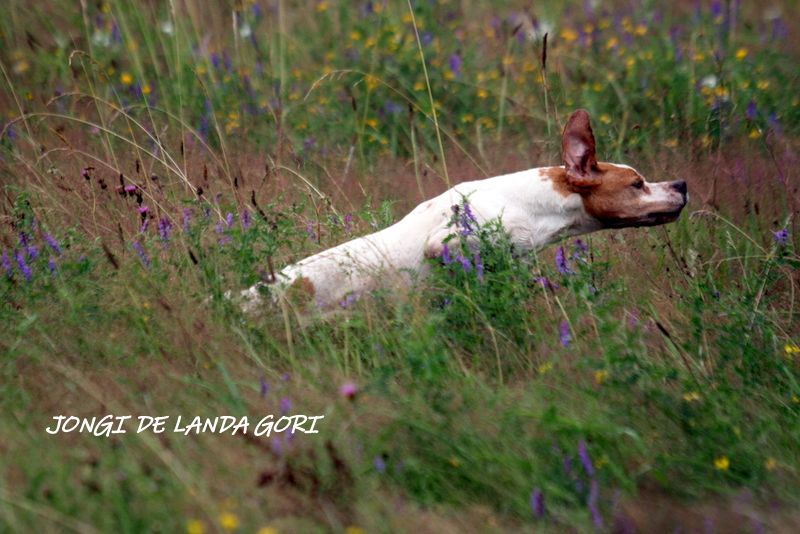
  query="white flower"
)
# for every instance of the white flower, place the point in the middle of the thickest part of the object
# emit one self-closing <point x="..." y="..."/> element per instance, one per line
<point x="245" y="31"/>
<point x="709" y="81"/>
<point x="167" y="27"/>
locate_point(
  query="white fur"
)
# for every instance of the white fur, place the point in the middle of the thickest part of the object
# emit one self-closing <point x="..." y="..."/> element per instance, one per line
<point x="531" y="211"/>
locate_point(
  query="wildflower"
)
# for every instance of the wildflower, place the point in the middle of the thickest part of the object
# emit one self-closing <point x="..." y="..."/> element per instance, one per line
<point x="51" y="264"/>
<point x="247" y="220"/>
<point x="164" y="229"/>
<point x="187" y="219"/>
<point x="228" y="521"/>
<point x="581" y="249"/>
<point x="126" y="78"/>
<point x="286" y="405"/>
<point x="23" y="267"/>
<point x="380" y="464"/>
<point x="354" y="530"/>
<point x="691" y="396"/>
<point x="752" y="111"/>
<point x="594" y="495"/>
<point x="600" y="376"/>
<point x="348" y="222"/>
<point x="446" y="259"/>
<point x="564" y="333"/>
<point x="455" y="65"/>
<point x="9" y="268"/>
<point x="537" y="503"/>
<point x="583" y="454"/>
<point x="545" y="368"/>
<point x="267" y="530"/>
<point x="561" y="262"/>
<point x="229" y="219"/>
<point x="741" y="53"/>
<point x="195" y="526"/>
<point x="788" y="348"/>
<point x="569" y="35"/>
<point x="139" y="248"/>
<point x="755" y="133"/>
<point x="264" y="387"/>
<point x="722" y="463"/>
<point x="478" y="265"/>
<point x="483" y="93"/>
<point x="348" y="390"/>
<point x="781" y="237"/>
<point x="32" y="251"/>
<point x="465" y="264"/>
<point x="310" y="231"/>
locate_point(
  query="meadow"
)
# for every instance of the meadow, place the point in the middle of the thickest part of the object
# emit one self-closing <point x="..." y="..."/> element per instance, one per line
<point x="154" y="155"/>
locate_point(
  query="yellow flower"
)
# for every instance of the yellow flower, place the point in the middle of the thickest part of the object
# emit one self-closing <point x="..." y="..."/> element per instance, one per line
<point x="267" y="530"/>
<point x="467" y="118"/>
<point x="722" y="463"/>
<point x="770" y="463"/>
<point x="791" y="349"/>
<point x="449" y="75"/>
<point x="455" y="462"/>
<point x="691" y="396"/>
<point x="323" y="6"/>
<point x="20" y="67"/>
<point x="671" y="143"/>
<point x="569" y="35"/>
<point x="228" y="521"/>
<point x="355" y="35"/>
<point x="605" y="118"/>
<point x="795" y="399"/>
<point x="353" y="530"/>
<point x="754" y="134"/>
<point x="483" y="93"/>
<point x="630" y="62"/>
<point x="195" y="526"/>
<point x="597" y="87"/>
<point x="763" y="84"/>
<point x="545" y="367"/>
<point x="371" y="122"/>
<point x="146" y="89"/>
<point x="600" y="376"/>
<point x="419" y="86"/>
<point x="612" y="43"/>
<point x="640" y="30"/>
<point x="699" y="56"/>
<point x="741" y="54"/>
<point x="126" y="78"/>
<point x="370" y="42"/>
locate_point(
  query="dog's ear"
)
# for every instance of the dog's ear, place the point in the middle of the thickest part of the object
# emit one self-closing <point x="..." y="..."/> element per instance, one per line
<point x="578" y="152"/>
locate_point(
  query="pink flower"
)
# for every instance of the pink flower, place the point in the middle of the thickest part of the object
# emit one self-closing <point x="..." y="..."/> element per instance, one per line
<point x="348" y="390"/>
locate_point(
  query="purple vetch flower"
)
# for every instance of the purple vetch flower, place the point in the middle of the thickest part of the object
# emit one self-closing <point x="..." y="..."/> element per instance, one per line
<point x="144" y="226"/>
<point x="215" y="60"/>
<point x="546" y="283"/>
<point x="187" y="219"/>
<point x="591" y="503"/>
<point x="467" y="220"/>
<point x="229" y="220"/>
<point x="478" y="265"/>
<point x="32" y="251"/>
<point x="564" y="335"/>
<point x="583" y="453"/>
<point x="53" y="243"/>
<point x="752" y="111"/>
<point x="23" y="267"/>
<point x="130" y="189"/>
<point x="277" y="446"/>
<point x="379" y="463"/>
<point x="581" y="249"/>
<point x="24" y="240"/>
<point x="465" y="263"/>
<point x="716" y="8"/>
<point x="455" y="63"/>
<point x="7" y="266"/>
<point x="143" y="210"/>
<point x="561" y="262"/>
<point x="286" y="377"/>
<point x="774" y="123"/>
<point x="139" y="248"/>
<point x="349" y="300"/>
<point x="537" y="503"/>
<point x="309" y="142"/>
<point x="51" y="264"/>
<point x="781" y="237"/>
<point x="393" y="108"/>
<point x="247" y="220"/>
<point x="348" y="390"/>
<point x="264" y="387"/>
<point x="286" y="405"/>
<point x="348" y="222"/>
<point x="446" y="259"/>
<point x="164" y="229"/>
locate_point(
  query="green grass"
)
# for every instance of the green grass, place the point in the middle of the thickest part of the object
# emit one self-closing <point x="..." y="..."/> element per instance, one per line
<point x="257" y="135"/>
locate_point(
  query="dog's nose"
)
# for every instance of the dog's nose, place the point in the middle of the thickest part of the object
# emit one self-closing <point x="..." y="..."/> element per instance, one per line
<point x="680" y="187"/>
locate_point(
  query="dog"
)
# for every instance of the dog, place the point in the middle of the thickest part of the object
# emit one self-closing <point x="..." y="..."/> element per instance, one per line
<point x="536" y="207"/>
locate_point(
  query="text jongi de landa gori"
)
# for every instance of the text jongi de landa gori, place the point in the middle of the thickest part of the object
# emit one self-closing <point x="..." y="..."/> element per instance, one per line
<point x="224" y="424"/>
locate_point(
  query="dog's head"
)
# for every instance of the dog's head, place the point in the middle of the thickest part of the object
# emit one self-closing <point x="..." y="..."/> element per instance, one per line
<point x="616" y="195"/>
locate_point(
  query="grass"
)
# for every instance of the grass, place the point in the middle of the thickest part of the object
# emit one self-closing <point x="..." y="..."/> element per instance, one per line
<point x="153" y="156"/>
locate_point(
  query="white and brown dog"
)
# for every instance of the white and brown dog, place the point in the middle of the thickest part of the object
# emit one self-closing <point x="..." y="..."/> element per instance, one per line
<point x="536" y="207"/>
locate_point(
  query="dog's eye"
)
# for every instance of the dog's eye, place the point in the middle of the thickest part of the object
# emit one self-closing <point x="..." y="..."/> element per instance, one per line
<point x="638" y="184"/>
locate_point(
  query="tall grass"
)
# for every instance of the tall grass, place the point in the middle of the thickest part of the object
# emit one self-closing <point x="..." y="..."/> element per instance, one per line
<point x="153" y="156"/>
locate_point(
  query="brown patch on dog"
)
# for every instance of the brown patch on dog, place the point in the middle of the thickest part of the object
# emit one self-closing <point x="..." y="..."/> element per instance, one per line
<point x="301" y="288"/>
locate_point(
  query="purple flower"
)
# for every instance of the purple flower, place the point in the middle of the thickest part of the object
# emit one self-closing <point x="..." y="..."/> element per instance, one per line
<point x="277" y="446"/>
<point x="583" y="453"/>
<point x="467" y="220"/>
<point x="564" y="333"/>
<point x="752" y="112"/>
<point x="286" y="405"/>
<point x="139" y="248"/>
<point x="264" y="387"/>
<point x="32" y="251"/>
<point x="561" y="262"/>
<point x="546" y="283"/>
<point x="7" y="266"/>
<point x="348" y="222"/>
<point x="478" y="265"/>
<point x="349" y="300"/>
<point x="53" y="243"/>
<point x="581" y="249"/>
<point x="51" y="264"/>
<point x="781" y="237"/>
<point x="380" y="464"/>
<point x="187" y="219"/>
<point x="537" y="503"/>
<point x="23" y="267"/>
<point x="143" y="211"/>
<point x="392" y="108"/>
<point x="164" y="229"/>
<point x="348" y="390"/>
<point x="591" y="502"/>
<point x="465" y="264"/>
<point x="455" y="65"/>
<point x="229" y="219"/>
<point x="446" y="259"/>
<point x="247" y="220"/>
<point x="130" y="189"/>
